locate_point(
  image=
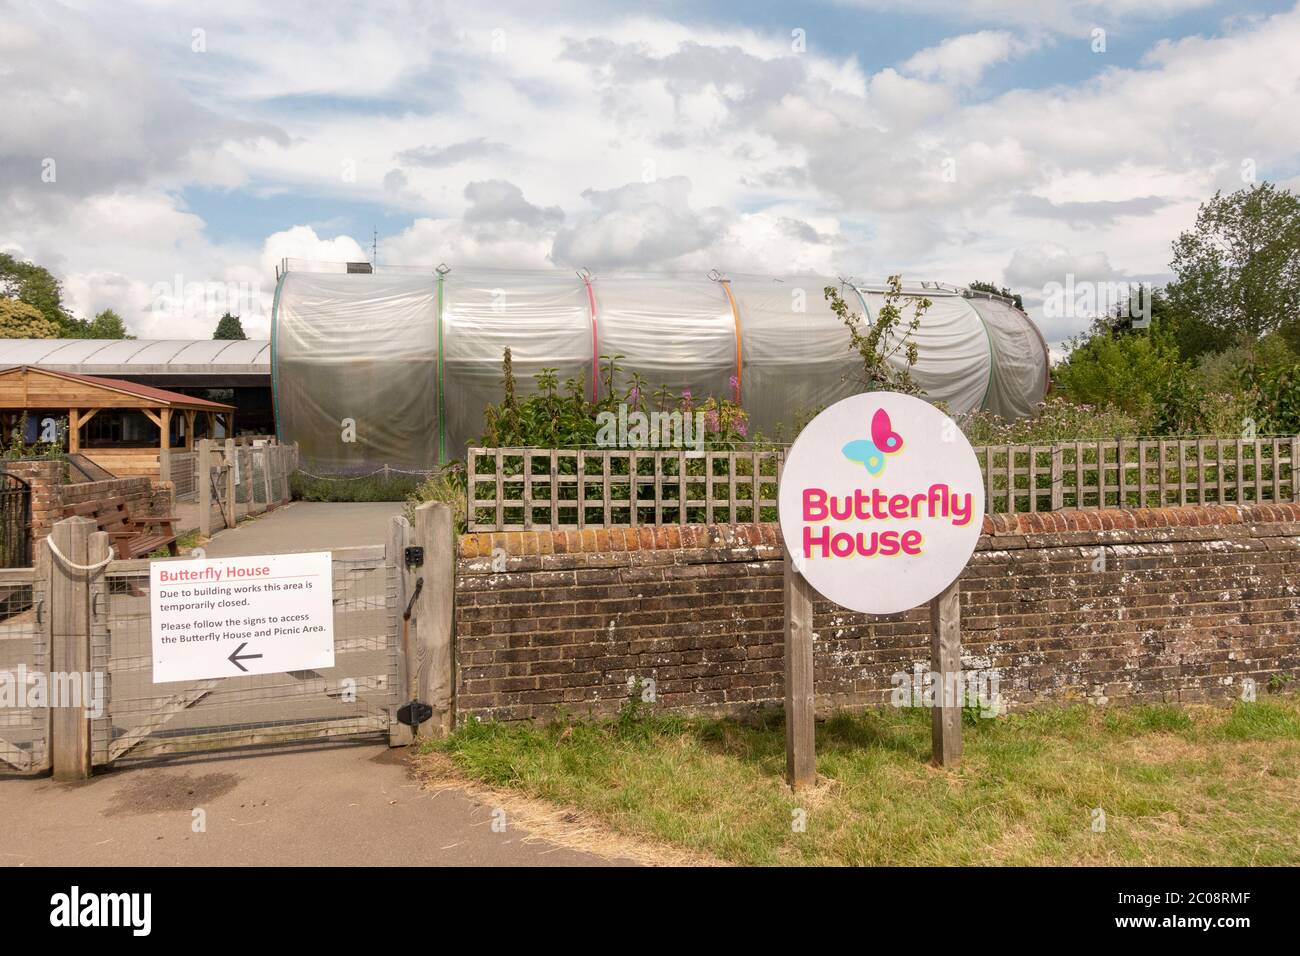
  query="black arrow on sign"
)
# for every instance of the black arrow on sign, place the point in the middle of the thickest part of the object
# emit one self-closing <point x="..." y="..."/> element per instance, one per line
<point x="235" y="657"/>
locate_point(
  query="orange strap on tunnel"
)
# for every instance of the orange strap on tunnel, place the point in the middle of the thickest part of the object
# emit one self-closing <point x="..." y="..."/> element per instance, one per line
<point x="735" y="312"/>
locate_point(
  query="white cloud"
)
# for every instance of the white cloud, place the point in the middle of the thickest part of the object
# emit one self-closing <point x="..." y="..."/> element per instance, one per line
<point x="963" y="59"/>
<point x="1058" y="15"/>
<point x="301" y="242"/>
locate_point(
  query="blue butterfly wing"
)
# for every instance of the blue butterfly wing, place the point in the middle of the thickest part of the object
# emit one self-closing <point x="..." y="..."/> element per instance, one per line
<point x="864" y="451"/>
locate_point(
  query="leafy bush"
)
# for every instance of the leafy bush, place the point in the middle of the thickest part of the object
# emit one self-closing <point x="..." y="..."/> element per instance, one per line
<point x="565" y="418"/>
<point x="1126" y="368"/>
<point x="14" y="447"/>
<point x="1277" y="400"/>
<point x="885" y="344"/>
<point x="376" y="487"/>
<point x="447" y="487"/>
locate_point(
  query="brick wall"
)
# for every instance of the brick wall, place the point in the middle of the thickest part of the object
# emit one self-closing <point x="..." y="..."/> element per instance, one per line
<point x="137" y="491"/>
<point x="45" y="478"/>
<point x="1174" y="604"/>
<point x="50" y="493"/>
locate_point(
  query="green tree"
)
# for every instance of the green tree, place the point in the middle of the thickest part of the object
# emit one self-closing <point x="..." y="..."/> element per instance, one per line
<point x="229" y="328"/>
<point x="37" y="286"/>
<point x="18" y="320"/>
<point x="107" y="325"/>
<point x="979" y="286"/>
<point x="1238" y="269"/>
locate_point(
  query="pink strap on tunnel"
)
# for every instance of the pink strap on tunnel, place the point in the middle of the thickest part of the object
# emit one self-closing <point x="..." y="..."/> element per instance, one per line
<point x="595" y="347"/>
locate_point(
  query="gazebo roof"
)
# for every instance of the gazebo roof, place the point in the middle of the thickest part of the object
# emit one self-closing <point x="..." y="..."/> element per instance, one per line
<point x="147" y="395"/>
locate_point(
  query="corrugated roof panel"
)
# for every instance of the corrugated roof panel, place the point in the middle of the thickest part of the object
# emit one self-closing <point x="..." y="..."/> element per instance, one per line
<point x="26" y="351"/>
<point x="115" y="352"/>
<point x="72" y="351"/>
<point x="248" y="351"/>
<point x="99" y="353"/>
<point x="157" y="353"/>
<point x="203" y="352"/>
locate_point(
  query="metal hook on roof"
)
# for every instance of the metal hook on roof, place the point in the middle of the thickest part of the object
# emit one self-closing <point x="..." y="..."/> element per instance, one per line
<point x="442" y="268"/>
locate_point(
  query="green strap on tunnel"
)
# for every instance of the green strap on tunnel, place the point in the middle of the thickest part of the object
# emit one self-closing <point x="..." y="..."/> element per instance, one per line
<point x="442" y="404"/>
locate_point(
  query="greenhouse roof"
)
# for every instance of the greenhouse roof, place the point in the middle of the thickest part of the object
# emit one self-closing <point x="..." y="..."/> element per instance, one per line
<point x="132" y="357"/>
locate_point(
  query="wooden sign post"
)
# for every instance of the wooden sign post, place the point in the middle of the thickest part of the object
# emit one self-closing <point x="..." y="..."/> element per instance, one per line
<point x="881" y="503"/>
<point x="945" y="665"/>
<point x="800" y="708"/>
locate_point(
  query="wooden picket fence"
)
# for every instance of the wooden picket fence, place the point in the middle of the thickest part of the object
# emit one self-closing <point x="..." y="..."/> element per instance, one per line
<point x="518" y="489"/>
<point x="1139" y="473"/>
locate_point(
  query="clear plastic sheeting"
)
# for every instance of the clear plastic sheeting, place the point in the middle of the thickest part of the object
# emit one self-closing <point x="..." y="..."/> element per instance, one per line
<point x="952" y="349"/>
<point x="357" y="350"/>
<point x="795" y="357"/>
<point x="545" y="320"/>
<point x="385" y="350"/>
<point x="677" y="331"/>
<point x="1020" y="370"/>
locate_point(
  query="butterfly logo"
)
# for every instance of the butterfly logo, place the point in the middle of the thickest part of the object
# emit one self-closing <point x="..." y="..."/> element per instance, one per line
<point x="871" y="452"/>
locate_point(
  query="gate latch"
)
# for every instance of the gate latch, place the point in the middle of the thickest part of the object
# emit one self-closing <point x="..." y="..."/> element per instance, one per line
<point x="414" y="557"/>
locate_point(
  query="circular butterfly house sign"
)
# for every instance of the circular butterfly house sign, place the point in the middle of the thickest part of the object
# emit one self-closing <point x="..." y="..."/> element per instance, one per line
<point x="881" y="502"/>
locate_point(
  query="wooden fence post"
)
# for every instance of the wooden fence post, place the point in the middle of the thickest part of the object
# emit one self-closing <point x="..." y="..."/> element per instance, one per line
<point x="800" y="703"/>
<point x="399" y="536"/>
<point x="435" y="651"/>
<point x="267" y="458"/>
<point x="204" y="478"/>
<point x="250" y="496"/>
<point x="69" y="600"/>
<point x="1058" y="477"/>
<point x="1295" y="462"/>
<point x="945" y="663"/>
<point x="231" y="516"/>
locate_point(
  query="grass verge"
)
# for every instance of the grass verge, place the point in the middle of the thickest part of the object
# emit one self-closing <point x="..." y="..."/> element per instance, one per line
<point x="1177" y="785"/>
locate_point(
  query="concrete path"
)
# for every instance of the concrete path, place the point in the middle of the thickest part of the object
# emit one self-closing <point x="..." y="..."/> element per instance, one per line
<point x="307" y="526"/>
<point x="329" y="805"/>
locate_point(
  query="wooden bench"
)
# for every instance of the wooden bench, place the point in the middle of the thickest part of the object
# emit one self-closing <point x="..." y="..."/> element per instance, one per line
<point x="132" y="537"/>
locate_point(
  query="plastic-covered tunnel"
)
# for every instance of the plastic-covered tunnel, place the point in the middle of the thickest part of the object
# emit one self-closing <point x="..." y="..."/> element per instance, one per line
<point x="392" y="368"/>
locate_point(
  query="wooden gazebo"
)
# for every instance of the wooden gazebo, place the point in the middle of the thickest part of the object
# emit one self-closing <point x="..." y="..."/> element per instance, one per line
<point x="120" y="441"/>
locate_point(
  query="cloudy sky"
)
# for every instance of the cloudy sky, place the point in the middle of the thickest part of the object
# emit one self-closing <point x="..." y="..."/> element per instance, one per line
<point x="149" y="146"/>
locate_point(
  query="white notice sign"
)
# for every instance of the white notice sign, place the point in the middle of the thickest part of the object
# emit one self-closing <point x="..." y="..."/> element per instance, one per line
<point x="226" y="617"/>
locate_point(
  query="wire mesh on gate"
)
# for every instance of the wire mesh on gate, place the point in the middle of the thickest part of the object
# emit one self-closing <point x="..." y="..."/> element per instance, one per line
<point x="25" y="664"/>
<point x="184" y="474"/>
<point x="356" y="697"/>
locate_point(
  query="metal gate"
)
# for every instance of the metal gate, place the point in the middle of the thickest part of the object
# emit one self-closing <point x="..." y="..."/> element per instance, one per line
<point x="357" y="697"/>
<point x="15" y="522"/>
<point x="24" y="664"/>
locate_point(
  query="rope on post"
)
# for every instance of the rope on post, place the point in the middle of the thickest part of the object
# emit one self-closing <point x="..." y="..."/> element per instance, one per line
<point x="54" y="549"/>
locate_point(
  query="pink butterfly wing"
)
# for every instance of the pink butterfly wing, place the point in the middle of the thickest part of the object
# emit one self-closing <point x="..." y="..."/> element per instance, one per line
<point x="882" y="433"/>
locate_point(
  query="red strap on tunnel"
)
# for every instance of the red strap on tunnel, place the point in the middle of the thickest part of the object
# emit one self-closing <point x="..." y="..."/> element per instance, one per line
<point x="595" y="347"/>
